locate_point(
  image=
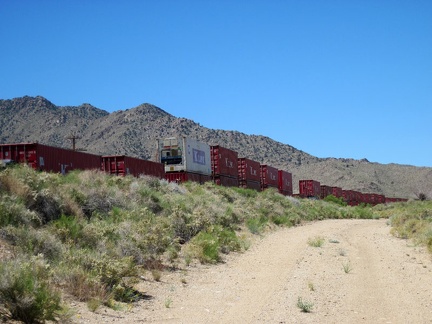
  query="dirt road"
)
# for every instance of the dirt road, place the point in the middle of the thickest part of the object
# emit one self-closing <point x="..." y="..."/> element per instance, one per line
<point x="361" y="274"/>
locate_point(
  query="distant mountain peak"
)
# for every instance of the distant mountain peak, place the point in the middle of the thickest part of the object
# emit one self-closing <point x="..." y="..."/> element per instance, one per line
<point x="149" y="108"/>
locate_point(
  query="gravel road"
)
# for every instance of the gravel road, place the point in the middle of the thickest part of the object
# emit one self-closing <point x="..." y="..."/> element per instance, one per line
<point x="361" y="274"/>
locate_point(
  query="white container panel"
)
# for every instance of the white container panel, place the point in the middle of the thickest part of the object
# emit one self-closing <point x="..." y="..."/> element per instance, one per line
<point x="197" y="156"/>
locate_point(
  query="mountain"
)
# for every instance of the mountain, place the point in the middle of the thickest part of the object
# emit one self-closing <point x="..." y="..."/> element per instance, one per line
<point x="134" y="132"/>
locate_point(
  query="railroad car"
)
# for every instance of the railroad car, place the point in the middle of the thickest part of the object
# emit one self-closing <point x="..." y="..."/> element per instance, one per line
<point x="185" y="159"/>
<point x="249" y="174"/>
<point x="224" y="166"/>
<point x="48" y="158"/>
<point x="309" y="189"/>
<point x="326" y="191"/>
<point x="268" y="177"/>
<point x="285" y="183"/>
<point x="125" y="165"/>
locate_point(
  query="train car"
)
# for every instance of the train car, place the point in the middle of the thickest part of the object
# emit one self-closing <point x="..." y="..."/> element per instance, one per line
<point x="249" y="174"/>
<point x="49" y="158"/>
<point x="183" y="176"/>
<point x="125" y="165"/>
<point x="285" y="183"/>
<point x="224" y="166"/>
<point x="347" y="195"/>
<point x="309" y="189"/>
<point x="188" y="159"/>
<point x="326" y="191"/>
<point x="337" y="192"/>
<point x="268" y="177"/>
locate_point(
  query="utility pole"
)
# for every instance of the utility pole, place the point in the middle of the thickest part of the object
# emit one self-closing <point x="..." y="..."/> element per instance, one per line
<point x="73" y="137"/>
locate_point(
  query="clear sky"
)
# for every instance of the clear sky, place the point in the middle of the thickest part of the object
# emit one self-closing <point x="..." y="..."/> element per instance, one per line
<point x="344" y="79"/>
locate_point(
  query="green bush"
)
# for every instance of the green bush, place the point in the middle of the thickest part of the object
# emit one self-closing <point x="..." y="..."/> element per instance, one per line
<point x="256" y="224"/>
<point x="31" y="241"/>
<point x="14" y="212"/>
<point x="206" y="247"/>
<point x="26" y="293"/>
<point x="333" y="199"/>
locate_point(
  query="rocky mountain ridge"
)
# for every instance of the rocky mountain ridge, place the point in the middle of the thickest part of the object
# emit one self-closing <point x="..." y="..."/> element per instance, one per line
<point x="134" y="132"/>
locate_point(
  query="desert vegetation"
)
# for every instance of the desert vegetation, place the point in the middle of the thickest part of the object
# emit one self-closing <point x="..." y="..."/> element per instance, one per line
<point x="90" y="237"/>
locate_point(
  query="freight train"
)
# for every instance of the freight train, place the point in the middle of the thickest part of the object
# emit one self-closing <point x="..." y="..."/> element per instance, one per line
<point x="183" y="159"/>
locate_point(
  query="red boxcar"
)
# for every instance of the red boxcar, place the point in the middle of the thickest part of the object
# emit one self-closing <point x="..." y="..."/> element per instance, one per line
<point x="269" y="177"/>
<point x="249" y="174"/>
<point x="347" y="196"/>
<point x="223" y="161"/>
<point x="356" y="198"/>
<point x="124" y="165"/>
<point x="224" y="165"/>
<point x="48" y="158"/>
<point x="337" y="192"/>
<point x="326" y="191"/>
<point x="186" y="176"/>
<point x="285" y="183"/>
<point x="309" y="188"/>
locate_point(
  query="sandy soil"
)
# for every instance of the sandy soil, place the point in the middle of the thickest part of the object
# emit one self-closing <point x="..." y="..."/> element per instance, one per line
<point x="390" y="281"/>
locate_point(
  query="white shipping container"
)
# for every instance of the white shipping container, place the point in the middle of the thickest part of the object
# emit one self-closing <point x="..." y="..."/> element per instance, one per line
<point x="185" y="154"/>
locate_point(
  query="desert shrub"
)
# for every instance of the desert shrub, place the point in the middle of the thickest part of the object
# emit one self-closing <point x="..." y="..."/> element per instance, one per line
<point x="26" y="292"/>
<point x="14" y="186"/>
<point x="82" y="284"/>
<point x="305" y="306"/>
<point x="362" y="212"/>
<point x="13" y="212"/>
<point x="108" y="270"/>
<point x="316" y="241"/>
<point x="205" y="247"/>
<point x="185" y="224"/>
<point x="281" y="220"/>
<point x="412" y="220"/>
<point x="338" y="201"/>
<point x="46" y="205"/>
<point x="34" y="242"/>
<point x="227" y="238"/>
<point x="421" y="196"/>
<point x="256" y="224"/>
<point x="429" y="243"/>
<point x="248" y="193"/>
<point x="145" y="241"/>
<point x="68" y="228"/>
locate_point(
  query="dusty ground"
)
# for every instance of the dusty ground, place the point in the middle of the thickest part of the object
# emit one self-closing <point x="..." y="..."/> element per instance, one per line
<point x="388" y="281"/>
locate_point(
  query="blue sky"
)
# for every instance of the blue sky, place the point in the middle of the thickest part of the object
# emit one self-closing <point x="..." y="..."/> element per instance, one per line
<point x="344" y="79"/>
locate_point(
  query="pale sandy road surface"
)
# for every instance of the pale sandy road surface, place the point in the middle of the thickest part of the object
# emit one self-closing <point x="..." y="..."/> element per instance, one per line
<point x="390" y="282"/>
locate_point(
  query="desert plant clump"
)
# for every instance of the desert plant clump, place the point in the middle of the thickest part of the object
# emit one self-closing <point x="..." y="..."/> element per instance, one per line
<point x="412" y="220"/>
<point x="316" y="241"/>
<point x="347" y="267"/>
<point x="304" y="305"/>
<point x="26" y="291"/>
<point x="333" y="199"/>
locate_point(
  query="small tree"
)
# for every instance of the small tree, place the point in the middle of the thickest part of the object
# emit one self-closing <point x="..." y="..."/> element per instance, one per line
<point x="421" y="196"/>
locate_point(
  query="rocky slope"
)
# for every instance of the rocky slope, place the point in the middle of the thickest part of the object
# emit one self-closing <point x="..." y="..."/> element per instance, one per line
<point x="134" y="132"/>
